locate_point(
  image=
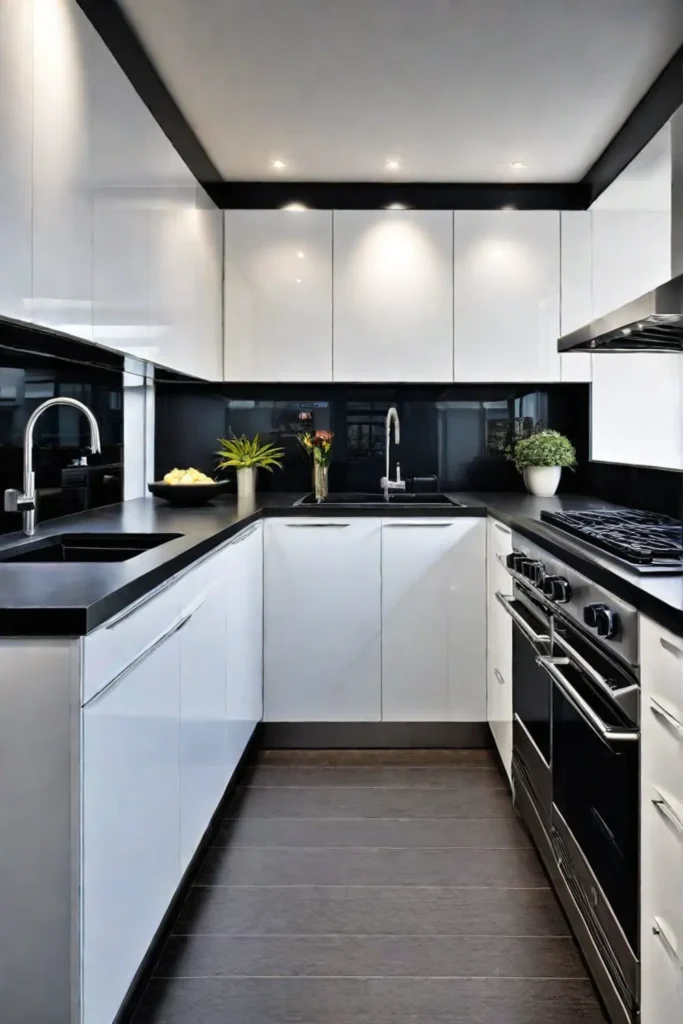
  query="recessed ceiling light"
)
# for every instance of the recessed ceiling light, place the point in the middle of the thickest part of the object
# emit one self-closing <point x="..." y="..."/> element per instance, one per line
<point x="295" y="207"/>
<point x="395" y="206"/>
<point x="300" y="255"/>
<point x="518" y="165"/>
<point x="626" y="330"/>
<point x="393" y="164"/>
<point x="298" y="280"/>
<point x="278" y="165"/>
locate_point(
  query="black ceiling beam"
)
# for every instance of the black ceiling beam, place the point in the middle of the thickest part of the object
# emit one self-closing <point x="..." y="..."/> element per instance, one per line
<point x="110" y="21"/>
<point x="364" y="195"/>
<point x="658" y="104"/>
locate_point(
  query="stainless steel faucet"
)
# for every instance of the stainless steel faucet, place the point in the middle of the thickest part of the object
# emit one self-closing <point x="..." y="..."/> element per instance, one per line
<point x="385" y="483"/>
<point x="25" y="503"/>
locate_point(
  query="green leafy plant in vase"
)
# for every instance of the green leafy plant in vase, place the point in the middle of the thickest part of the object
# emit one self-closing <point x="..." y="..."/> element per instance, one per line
<point x="540" y="458"/>
<point x="318" y="445"/>
<point x="247" y="456"/>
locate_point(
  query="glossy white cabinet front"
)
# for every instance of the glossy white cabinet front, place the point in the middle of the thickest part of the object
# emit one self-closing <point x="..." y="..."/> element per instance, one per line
<point x="637" y="409"/>
<point x="278" y="295"/>
<point x="507" y="295"/>
<point x="16" y="157"/>
<point x="322" y="620"/>
<point x="499" y="642"/>
<point x="576" y="310"/>
<point x="433" y="620"/>
<point x="393" y="295"/>
<point x="131" y="824"/>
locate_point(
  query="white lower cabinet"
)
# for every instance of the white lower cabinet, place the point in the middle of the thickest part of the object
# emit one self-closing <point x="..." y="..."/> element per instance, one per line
<point x="499" y="643"/>
<point x="661" y="824"/>
<point x="322" y="620"/>
<point x="433" y="620"/>
<point x="130" y="824"/>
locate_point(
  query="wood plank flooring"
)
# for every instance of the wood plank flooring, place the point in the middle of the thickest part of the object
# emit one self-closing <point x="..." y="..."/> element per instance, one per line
<point x="371" y="887"/>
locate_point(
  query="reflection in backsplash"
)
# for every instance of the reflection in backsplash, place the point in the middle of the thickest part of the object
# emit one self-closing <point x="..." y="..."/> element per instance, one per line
<point x="458" y="434"/>
<point x="61" y="435"/>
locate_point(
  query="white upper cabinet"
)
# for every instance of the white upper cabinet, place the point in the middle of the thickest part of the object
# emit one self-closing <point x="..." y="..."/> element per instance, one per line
<point x="637" y="409"/>
<point x="393" y="295"/>
<point x="65" y="49"/>
<point x="576" y="266"/>
<point x="208" y="294"/>
<point x="631" y="255"/>
<point x="507" y="295"/>
<point x="16" y="154"/>
<point x="278" y="295"/>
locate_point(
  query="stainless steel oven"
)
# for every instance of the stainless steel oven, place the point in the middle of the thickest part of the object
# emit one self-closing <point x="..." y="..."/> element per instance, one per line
<point x="576" y="734"/>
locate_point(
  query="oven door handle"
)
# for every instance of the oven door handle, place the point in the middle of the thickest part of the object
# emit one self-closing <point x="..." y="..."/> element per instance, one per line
<point x="587" y="669"/>
<point x="605" y="732"/>
<point x="529" y="633"/>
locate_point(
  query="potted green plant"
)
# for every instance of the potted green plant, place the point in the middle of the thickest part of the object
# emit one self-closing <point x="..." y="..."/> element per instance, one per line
<point x="541" y="458"/>
<point x="247" y="456"/>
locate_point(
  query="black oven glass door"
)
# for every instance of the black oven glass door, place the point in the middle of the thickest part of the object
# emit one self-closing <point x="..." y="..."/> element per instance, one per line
<point x="595" y="789"/>
<point x="531" y="685"/>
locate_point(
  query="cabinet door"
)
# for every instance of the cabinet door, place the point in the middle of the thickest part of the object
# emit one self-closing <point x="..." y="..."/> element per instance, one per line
<point x="433" y="620"/>
<point x="499" y="643"/>
<point x="16" y="155"/>
<point x="244" y="679"/>
<point x="631" y="255"/>
<point x="278" y="295"/>
<point x="203" y="711"/>
<point x="208" y="268"/>
<point x="322" y="620"/>
<point x="65" y="48"/>
<point x="576" y="258"/>
<point x="130" y="823"/>
<point x="393" y="295"/>
<point x="637" y="409"/>
<point x="507" y="295"/>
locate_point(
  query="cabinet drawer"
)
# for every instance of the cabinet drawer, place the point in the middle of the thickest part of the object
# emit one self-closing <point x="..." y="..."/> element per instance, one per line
<point x="662" y="662"/>
<point x="661" y="972"/>
<point x="109" y="649"/>
<point x="662" y="732"/>
<point x="499" y="539"/>
<point x="663" y="856"/>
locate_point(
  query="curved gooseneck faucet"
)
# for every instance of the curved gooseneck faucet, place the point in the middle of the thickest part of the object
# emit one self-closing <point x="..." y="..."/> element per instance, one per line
<point x="386" y="483"/>
<point x="26" y="502"/>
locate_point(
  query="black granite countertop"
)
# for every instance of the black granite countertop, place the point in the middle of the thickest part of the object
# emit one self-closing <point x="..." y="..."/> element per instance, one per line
<point x="72" y="599"/>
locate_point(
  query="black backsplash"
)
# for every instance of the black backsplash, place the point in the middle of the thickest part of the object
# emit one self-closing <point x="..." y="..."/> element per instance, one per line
<point x="33" y="368"/>
<point x="458" y="434"/>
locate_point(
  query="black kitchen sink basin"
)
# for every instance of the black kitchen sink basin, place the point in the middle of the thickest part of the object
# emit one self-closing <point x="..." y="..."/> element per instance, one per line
<point x="86" y="547"/>
<point x="379" y="501"/>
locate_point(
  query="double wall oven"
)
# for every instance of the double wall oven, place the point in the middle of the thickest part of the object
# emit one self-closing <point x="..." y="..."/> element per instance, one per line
<point x="576" y="703"/>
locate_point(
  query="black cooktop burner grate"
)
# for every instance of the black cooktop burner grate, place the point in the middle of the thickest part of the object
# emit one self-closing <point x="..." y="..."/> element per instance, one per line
<point x="639" y="538"/>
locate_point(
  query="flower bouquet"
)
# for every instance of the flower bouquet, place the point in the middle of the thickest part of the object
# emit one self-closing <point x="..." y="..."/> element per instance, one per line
<point x="318" y="445"/>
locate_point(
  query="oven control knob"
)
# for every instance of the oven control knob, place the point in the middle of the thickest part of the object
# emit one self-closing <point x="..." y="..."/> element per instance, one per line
<point x="590" y="613"/>
<point x="533" y="570"/>
<point x="514" y="561"/>
<point x="558" y="589"/>
<point x="607" y="622"/>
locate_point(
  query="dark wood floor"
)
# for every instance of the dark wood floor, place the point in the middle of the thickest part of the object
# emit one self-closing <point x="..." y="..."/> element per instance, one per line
<point x="371" y="888"/>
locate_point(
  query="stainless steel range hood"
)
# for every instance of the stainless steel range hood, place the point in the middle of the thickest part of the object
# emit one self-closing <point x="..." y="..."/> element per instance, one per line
<point x="653" y="323"/>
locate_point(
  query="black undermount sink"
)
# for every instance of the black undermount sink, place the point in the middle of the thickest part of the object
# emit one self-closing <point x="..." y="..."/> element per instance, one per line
<point x="86" y="547"/>
<point x="395" y="498"/>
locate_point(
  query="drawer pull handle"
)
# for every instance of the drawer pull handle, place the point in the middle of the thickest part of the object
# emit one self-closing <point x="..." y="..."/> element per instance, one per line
<point x="671" y="648"/>
<point x="499" y="676"/>
<point x="669" y="944"/>
<point x="243" y="535"/>
<point x="416" y="526"/>
<point x="658" y="709"/>
<point x="317" y="526"/>
<point x="665" y="808"/>
<point x="503" y="529"/>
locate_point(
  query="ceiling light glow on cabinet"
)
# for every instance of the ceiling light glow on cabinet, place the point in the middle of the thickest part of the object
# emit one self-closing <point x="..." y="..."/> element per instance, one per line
<point x="295" y="207"/>
<point x="300" y="255"/>
<point x="278" y="165"/>
<point x="518" y="165"/>
<point x="393" y="164"/>
<point x="396" y="206"/>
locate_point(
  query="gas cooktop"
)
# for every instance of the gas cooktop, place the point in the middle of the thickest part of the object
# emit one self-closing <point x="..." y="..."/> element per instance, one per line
<point x="645" y="541"/>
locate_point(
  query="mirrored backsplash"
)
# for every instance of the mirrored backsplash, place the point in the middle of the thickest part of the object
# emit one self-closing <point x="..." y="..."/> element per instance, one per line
<point x="458" y="435"/>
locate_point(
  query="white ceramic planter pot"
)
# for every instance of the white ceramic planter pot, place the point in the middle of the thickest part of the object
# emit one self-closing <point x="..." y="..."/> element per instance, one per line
<point x="246" y="484"/>
<point x="542" y="481"/>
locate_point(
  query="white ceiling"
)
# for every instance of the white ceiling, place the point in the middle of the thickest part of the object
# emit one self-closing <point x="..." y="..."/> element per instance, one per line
<point x="456" y="89"/>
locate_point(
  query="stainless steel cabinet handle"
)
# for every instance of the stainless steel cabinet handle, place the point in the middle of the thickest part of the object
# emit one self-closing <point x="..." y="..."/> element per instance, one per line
<point x="604" y="731"/>
<point x="499" y="676"/>
<point x="665" y="808"/>
<point x="175" y="628"/>
<point x="113" y="623"/>
<point x="243" y="535"/>
<point x="416" y="526"/>
<point x="659" y="929"/>
<point x="536" y="638"/>
<point x="671" y="648"/>
<point x="658" y="709"/>
<point x="503" y="529"/>
<point x="317" y="526"/>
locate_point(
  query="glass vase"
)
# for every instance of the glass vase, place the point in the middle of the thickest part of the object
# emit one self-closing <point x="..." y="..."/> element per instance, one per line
<point x="320" y="487"/>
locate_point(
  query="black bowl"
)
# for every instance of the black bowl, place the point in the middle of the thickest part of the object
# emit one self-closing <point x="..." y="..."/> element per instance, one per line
<point x="187" y="495"/>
